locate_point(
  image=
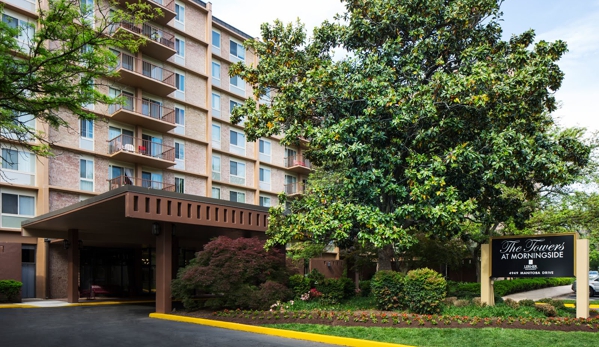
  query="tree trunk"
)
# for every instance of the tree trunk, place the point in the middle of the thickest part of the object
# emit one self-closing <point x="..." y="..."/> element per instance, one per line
<point x="384" y="258"/>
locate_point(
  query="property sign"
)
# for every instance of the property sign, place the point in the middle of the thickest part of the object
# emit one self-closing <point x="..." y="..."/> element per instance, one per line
<point x="533" y="256"/>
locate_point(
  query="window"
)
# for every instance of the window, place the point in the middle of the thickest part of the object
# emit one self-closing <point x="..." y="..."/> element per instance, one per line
<point x="179" y="16"/>
<point x="86" y="139"/>
<point x="265" y="178"/>
<point x="237" y="172"/>
<point x="180" y="85"/>
<point x="215" y="192"/>
<point x="152" y="180"/>
<point x="237" y="196"/>
<point x="179" y="155"/>
<point x="265" y="201"/>
<point x="86" y="175"/>
<point x="179" y="185"/>
<point x="216" y="136"/>
<point x="290" y="184"/>
<point x="26" y="30"/>
<point x="16" y="207"/>
<point x="216" y="104"/>
<point x="237" y="141"/>
<point x="216" y="70"/>
<point x="180" y="120"/>
<point x="120" y="140"/>
<point x="18" y="166"/>
<point x="119" y="176"/>
<point x="237" y="51"/>
<point x="265" y="150"/>
<point x="216" y="39"/>
<point x="180" y="47"/>
<point x="238" y="84"/>
<point x="25" y="124"/>
<point x="234" y="104"/>
<point x="290" y="157"/>
<point x="216" y="167"/>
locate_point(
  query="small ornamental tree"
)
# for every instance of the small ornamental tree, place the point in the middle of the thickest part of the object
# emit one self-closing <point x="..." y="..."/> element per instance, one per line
<point x="235" y="270"/>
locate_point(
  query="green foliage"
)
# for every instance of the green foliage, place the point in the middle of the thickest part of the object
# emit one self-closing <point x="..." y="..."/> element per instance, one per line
<point x="335" y="290"/>
<point x="429" y="120"/>
<point x="315" y="278"/>
<point x="425" y="291"/>
<point x="10" y="290"/>
<point x="526" y="303"/>
<point x="269" y="293"/>
<point x="547" y="309"/>
<point x="512" y="303"/>
<point x="365" y="288"/>
<point x="558" y="304"/>
<point x="388" y="290"/>
<point x="299" y="284"/>
<point x="505" y="287"/>
<point x="59" y="68"/>
<point x="235" y="271"/>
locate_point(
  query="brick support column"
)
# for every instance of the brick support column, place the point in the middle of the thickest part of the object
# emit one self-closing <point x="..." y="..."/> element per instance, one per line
<point x="164" y="268"/>
<point x="73" y="266"/>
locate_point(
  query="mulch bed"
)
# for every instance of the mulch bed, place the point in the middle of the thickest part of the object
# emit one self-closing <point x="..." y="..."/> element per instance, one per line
<point x="397" y="320"/>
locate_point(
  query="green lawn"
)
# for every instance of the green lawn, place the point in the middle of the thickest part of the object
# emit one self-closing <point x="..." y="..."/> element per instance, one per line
<point x="465" y="337"/>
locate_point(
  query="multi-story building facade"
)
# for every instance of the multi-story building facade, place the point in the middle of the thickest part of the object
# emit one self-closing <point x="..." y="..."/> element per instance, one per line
<point x="172" y="132"/>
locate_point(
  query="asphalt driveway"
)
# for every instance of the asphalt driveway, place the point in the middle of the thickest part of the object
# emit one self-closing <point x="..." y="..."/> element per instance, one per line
<point x="119" y="325"/>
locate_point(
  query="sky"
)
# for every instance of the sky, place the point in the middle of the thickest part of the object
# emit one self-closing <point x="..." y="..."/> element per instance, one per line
<point x="574" y="21"/>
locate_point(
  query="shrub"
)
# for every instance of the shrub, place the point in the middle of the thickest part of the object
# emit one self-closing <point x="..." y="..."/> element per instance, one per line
<point x="547" y="309"/>
<point x="558" y="304"/>
<point x="10" y="290"/>
<point x="269" y="293"/>
<point x="512" y="303"/>
<point x="388" y="290"/>
<point x="527" y="303"/>
<point x="425" y="289"/>
<point x="334" y="290"/>
<point x="478" y="302"/>
<point x="461" y="303"/>
<point x="450" y="301"/>
<point x="299" y="284"/>
<point x="315" y="277"/>
<point x="365" y="288"/>
<point x="231" y="269"/>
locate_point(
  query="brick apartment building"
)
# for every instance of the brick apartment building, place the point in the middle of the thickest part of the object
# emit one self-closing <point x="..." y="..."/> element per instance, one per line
<point x="171" y="139"/>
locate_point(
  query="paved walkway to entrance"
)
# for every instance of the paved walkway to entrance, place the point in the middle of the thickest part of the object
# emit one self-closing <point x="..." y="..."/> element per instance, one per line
<point x="538" y="294"/>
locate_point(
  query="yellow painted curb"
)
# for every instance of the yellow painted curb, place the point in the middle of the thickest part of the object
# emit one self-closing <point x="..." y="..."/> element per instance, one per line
<point x="17" y="306"/>
<point x="333" y="340"/>
<point x="590" y="306"/>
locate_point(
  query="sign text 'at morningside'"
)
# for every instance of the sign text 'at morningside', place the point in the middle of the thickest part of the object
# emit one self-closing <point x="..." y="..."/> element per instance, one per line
<point x="533" y="256"/>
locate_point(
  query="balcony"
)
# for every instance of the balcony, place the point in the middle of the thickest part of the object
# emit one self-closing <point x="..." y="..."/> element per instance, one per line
<point x="167" y="7"/>
<point x="160" y="44"/>
<point x="298" y="164"/>
<point x="145" y="113"/>
<point x="295" y="189"/>
<point x="142" y="74"/>
<point x="139" y="182"/>
<point x="135" y="150"/>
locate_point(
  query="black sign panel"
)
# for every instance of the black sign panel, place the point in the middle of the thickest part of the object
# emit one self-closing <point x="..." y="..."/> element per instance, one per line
<point x="533" y="256"/>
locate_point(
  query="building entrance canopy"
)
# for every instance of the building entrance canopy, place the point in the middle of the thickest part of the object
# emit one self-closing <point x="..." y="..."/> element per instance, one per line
<point x="141" y="216"/>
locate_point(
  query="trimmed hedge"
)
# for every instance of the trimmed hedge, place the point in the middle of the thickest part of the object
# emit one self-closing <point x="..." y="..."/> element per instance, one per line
<point x="10" y="290"/>
<point x="506" y="287"/>
<point x="300" y="284"/>
<point x="425" y="291"/>
<point x="388" y="290"/>
<point x="334" y="290"/>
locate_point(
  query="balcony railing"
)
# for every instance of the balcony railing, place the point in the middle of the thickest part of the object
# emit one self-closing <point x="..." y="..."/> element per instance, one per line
<point x="130" y="63"/>
<point x="297" y="160"/>
<point x="155" y="34"/>
<point x="144" y="107"/>
<point x="295" y="188"/>
<point x="139" y="182"/>
<point x="130" y="144"/>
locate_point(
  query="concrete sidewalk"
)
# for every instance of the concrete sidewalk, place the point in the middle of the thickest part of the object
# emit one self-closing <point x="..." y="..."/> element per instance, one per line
<point x="541" y="293"/>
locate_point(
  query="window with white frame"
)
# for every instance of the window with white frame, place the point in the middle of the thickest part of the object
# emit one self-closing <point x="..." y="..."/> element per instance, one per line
<point x="16" y="207"/>
<point x="180" y="48"/>
<point x="179" y="184"/>
<point x="119" y="176"/>
<point x="180" y="85"/>
<point x="215" y="193"/>
<point x="237" y="142"/>
<point x="233" y="104"/>
<point x="236" y="172"/>
<point x="265" y="201"/>
<point x="216" y="73"/>
<point x="238" y="85"/>
<point x="86" y="174"/>
<point x="18" y="166"/>
<point x="215" y="136"/>
<point x="264" y="147"/>
<point x="86" y="131"/>
<point x="236" y="196"/>
<point x="24" y="26"/>
<point x="179" y="155"/>
<point x="265" y="178"/>
<point x="216" y="104"/>
<point x="180" y="120"/>
<point x="291" y="186"/>
<point x="237" y="52"/>
<point x="216" y="167"/>
<point x="179" y="16"/>
<point x="216" y="41"/>
<point x="23" y="120"/>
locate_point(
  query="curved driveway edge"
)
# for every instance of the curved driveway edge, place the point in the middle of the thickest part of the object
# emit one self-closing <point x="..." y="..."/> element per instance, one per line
<point x="333" y="340"/>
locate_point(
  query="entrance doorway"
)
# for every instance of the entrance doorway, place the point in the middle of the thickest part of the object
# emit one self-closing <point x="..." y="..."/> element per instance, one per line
<point x="28" y="271"/>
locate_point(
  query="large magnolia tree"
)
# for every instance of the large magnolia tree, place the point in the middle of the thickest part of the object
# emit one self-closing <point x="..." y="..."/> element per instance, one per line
<point x="430" y="119"/>
<point x="56" y="64"/>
